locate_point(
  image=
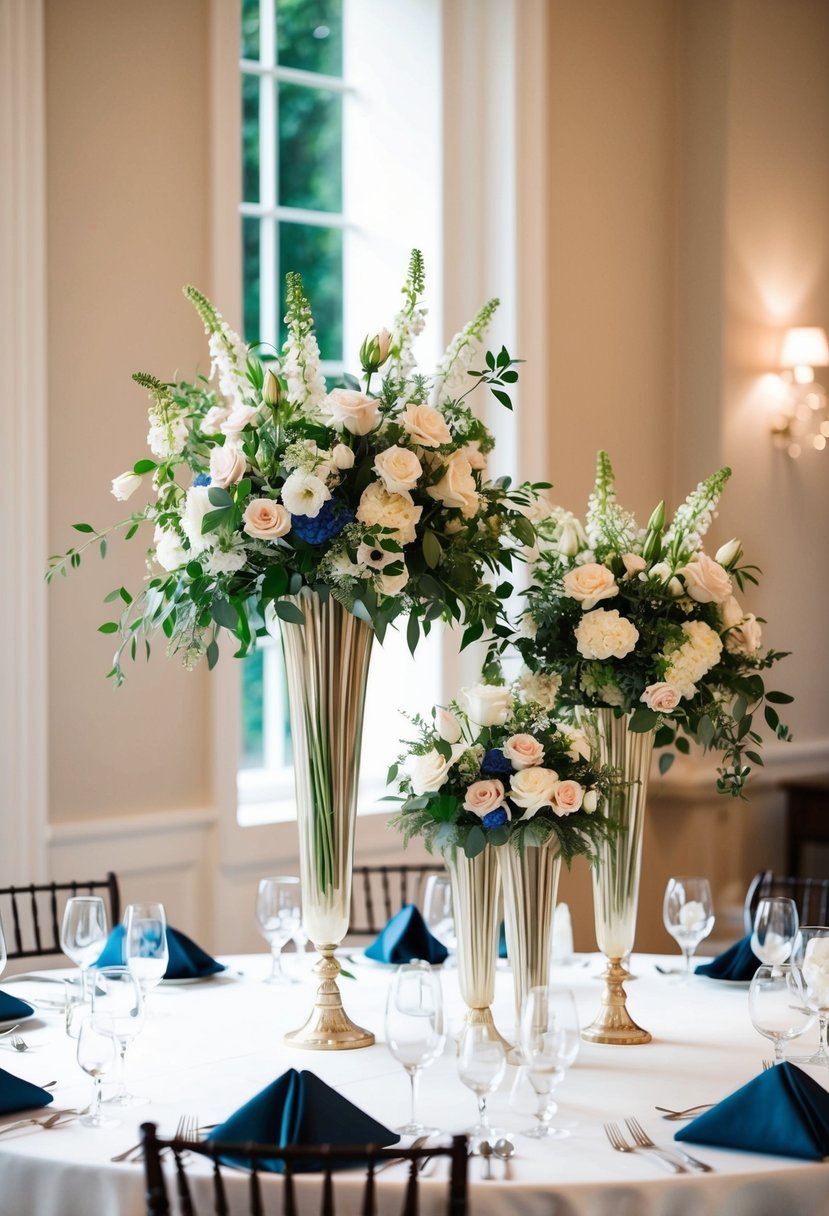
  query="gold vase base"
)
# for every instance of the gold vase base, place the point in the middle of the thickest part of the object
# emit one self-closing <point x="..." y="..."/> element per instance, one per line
<point x="613" y="1024"/>
<point x="483" y="1017"/>
<point x="329" y="1028"/>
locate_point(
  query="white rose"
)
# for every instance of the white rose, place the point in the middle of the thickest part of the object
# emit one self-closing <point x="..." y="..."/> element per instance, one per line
<point x="578" y="744"/>
<point x="731" y="613"/>
<point x="589" y="584"/>
<point x="379" y="508"/>
<point x="426" y="426"/>
<point x="533" y="788"/>
<point x="392" y="584"/>
<point x="211" y="423"/>
<point x="227" y="465"/>
<point x="456" y="487"/>
<point x="730" y="552"/>
<point x="448" y="726"/>
<point x="196" y="505"/>
<point x="167" y="438"/>
<point x="523" y="751"/>
<point x="745" y="638"/>
<point x="590" y="802"/>
<point x="125" y="485"/>
<point x="604" y="634"/>
<point x="569" y="542"/>
<point x="238" y="418"/>
<point x="429" y="772"/>
<point x="304" y="493"/>
<point x="266" y="519"/>
<point x="472" y="452"/>
<point x="169" y="551"/>
<point x="661" y="697"/>
<point x="706" y="581"/>
<point x="398" y="469"/>
<point x="351" y="411"/>
<point x="342" y="457"/>
<point x="675" y="587"/>
<point x="488" y="704"/>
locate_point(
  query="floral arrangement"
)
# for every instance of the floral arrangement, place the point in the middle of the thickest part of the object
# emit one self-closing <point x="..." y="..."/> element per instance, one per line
<point x="265" y="481"/>
<point x="500" y="770"/>
<point x="642" y="619"/>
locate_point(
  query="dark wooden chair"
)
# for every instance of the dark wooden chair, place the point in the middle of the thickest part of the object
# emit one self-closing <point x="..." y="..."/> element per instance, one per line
<point x="323" y="1159"/>
<point x="810" y="894"/>
<point x="31" y="915"/>
<point x="378" y="892"/>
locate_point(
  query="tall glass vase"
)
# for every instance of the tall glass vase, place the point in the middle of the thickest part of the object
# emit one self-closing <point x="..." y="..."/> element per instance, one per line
<point x="326" y="662"/>
<point x="476" y="885"/>
<point x="616" y="874"/>
<point x="530" y="882"/>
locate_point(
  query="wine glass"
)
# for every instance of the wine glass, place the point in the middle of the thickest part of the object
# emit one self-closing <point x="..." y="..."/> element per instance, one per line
<point x="481" y="1065"/>
<point x="550" y="1036"/>
<point x="811" y="952"/>
<point x="279" y="915"/>
<point x="775" y="929"/>
<point x="777" y="1003"/>
<point x="97" y="1053"/>
<point x="83" y="933"/>
<point x="415" y="1032"/>
<point x="77" y="1007"/>
<point x="117" y="1003"/>
<point x="437" y="911"/>
<point x="688" y="913"/>
<point x="146" y="952"/>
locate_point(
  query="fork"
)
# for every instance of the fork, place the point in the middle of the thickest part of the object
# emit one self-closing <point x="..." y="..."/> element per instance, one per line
<point x="186" y="1129"/>
<point x="54" y="1120"/>
<point x="768" y="1065"/>
<point x="643" y="1140"/>
<point x="690" y="1112"/>
<point x="10" y="1030"/>
<point x="621" y="1145"/>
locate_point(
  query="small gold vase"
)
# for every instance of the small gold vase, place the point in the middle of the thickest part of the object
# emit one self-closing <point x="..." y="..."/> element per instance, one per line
<point x="530" y="882"/>
<point x="617" y="871"/>
<point x="476" y="885"/>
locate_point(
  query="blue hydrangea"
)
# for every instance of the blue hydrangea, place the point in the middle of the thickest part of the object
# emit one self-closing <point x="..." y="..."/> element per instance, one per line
<point x="203" y="479"/>
<point x="332" y="518"/>
<point x="495" y="819"/>
<point x="495" y="764"/>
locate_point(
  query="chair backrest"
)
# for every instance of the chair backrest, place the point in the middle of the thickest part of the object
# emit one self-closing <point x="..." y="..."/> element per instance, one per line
<point x="323" y="1159"/>
<point x="31" y="915"/>
<point x="810" y="894"/>
<point x="378" y="892"/>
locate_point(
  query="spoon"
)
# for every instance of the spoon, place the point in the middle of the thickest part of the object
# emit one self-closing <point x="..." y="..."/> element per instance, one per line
<point x="504" y="1149"/>
<point x="485" y="1151"/>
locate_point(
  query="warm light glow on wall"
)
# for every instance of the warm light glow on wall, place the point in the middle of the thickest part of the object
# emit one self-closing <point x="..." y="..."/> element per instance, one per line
<point x="803" y="421"/>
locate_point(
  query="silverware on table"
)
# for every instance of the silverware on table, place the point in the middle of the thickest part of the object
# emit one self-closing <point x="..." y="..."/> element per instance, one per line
<point x="690" y="1112"/>
<point x="187" y="1128"/>
<point x="504" y="1150"/>
<point x="417" y="1143"/>
<point x="485" y="1151"/>
<point x="620" y="1144"/>
<point x="642" y="1140"/>
<point x="16" y="1043"/>
<point x="57" y="1118"/>
<point x="768" y="1065"/>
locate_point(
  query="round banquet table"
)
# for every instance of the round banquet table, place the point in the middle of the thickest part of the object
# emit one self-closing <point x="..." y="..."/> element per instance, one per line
<point x="209" y="1046"/>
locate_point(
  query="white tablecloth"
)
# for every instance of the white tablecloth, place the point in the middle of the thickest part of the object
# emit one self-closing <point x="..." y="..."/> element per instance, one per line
<point x="209" y="1047"/>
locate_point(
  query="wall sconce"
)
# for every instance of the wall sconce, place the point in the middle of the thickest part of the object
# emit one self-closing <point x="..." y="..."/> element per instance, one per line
<point x="803" y="422"/>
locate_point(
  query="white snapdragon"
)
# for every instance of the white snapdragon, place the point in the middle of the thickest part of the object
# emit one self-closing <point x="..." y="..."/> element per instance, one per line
<point x="166" y="437"/>
<point x="301" y="369"/>
<point x="196" y="505"/>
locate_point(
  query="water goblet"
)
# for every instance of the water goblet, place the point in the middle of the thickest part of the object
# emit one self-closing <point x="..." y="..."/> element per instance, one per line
<point x="688" y="913"/>
<point x="117" y="1002"/>
<point x="278" y="915"/>
<point x="481" y="1065"/>
<point x="438" y="913"/>
<point x="97" y="1053"/>
<point x="550" y="1037"/>
<point x="83" y="933"/>
<point x="811" y="952"/>
<point x="77" y="1007"/>
<point x="415" y="1031"/>
<point x="775" y="930"/>
<point x="146" y="952"/>
<point x="777" y="1003"/>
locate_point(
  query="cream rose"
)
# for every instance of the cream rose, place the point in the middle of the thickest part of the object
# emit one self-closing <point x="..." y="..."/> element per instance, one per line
<point x="731" y="613"/>
<point x="533" y="788"/>
<point x="567" y="797"/>
<point x="570" y="540"/>
<point x="578" y="744"/>
<point x="729" y="553"/>
<point x="590" y="802"/>
<point x="589" y="584"/>
<point x="426" y="426"/>
<point x="266" y="519"/>
<point x="378" y="507"/>
<point x="342" y="457"/>
<point x="238" y="418"/>
<point x="483" y="797"/>
<point x="456" y="487"/>
<point x="429" y="772"/>
<point x="472" y="452"/>
<point x="448" y="726"/>
<point x="540" y="689"/>
<point x="211" y="423"/>
<point x="604" y="634"/>
<point x="745" y="638"/>
<point x="661" y="697"/>
<point x="398" y="469"/>
<point x="227" y="465"/>
<point x="523" y="751"/>
<point x="488" y="704"/>
<point x="392" y="584"/>
<point x="125" y="485"/>
<point x="706" y="581"/>
<point x="351" y="411"/>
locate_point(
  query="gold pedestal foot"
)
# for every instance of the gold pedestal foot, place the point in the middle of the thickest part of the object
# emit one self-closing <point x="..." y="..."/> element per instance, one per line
<point x="614" y="1024"/>
<point x="329" y="1028"/>
<point x="483" y="1017"/>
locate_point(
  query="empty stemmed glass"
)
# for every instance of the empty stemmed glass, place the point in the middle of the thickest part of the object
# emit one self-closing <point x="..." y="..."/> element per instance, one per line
<point x="550" y="1038"/>
<point x="811" y="952"/>
<point x="438" y="913"/>
<point x="415" y="1032"/>
<point x="83" y="933"/>
<point x="481" y="1065"/>
<point x="146" y="952"/>
<point x="777" y="1003"/>
<point x="775" y="930"/>
<point x="278" y="914"/>
<point x="688" y="912"/>
<point x="97" y="1053"/>
<point x="117" y="1005"/>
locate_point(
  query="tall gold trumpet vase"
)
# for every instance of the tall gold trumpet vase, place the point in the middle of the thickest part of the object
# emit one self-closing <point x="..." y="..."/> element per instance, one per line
<point x="326" y="661"/>
<point x="476" y="885"/>
<point x="530" y="882"/>
<point x="616" y="874"/>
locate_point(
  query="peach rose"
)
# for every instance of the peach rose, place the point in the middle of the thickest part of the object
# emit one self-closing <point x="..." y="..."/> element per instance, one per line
<point x="523" y="751"/>
<point x="227" y="465"/>
<point x="567" y="797"/>
<point x="351" y="411"/>
<point x="426" y="426"/>
<point x="456" y="487"/>
<point x="589" y="584"/>
<point x="533" y="788"/>
<point x="483" y="797"/>
<point x="661" y="697"/>
<point x="342" y="457"/>
<point x="633" y="563"/>
<point x="706" y="581"/>
<point x="448" y="726"/>
<point x="266" y="519"/>
<point x="398" y="469"/>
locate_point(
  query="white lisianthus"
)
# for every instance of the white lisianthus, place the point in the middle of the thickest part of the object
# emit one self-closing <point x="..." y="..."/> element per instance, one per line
<point x="604" y="634"/>
<point x="304" y="493"/>
<point x="533" y="788"/>
<point x="342" y="457"/>
<point x="706" y="581"/>
<point x="169" y="551"/>
<point x="659" y="573"/>
<point x="488" y="704"/>
<point x="196" y="506"/>
<point x="589" y="584"/>
<point x="227" y="465"/>
<point x="542" y="689"/>
<point x="429" y="772"/>
<point x="456" y="487"/>
<point x="378" y="507"/>
<point x="700" y="651"/>
<point x="392" y="584"/>
<point x="448" y="726"/>
<point x="226" y="561"/>
<point x="211" y="423"/>
<point x="125" y="485"/>
<point x="426" y="426"/>
<point x="745" y="638"/>
<point x="398" y="468"/>
<point x="238" y="418"/>
<point x="351" y="411"/>
<point x="661" y="697"/>
<point x="167" y="438"/>
<point x="266" y="519"/>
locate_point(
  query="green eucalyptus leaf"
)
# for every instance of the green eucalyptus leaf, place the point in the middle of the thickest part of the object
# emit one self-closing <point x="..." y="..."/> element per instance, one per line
<point x="289" y="612"/>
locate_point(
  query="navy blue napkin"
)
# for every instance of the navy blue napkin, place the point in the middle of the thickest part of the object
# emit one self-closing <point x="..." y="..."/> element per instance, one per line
<point x="17" y="1094"/>
<point x="502" y="941"/>
<point x="11" y="1008"/>
<point x="783" y="1112"/>
<point x="738" y="962"/>
<point x="406" y="937"/>
<point x="187" y="960"/>
<point x="299" y="1108"/>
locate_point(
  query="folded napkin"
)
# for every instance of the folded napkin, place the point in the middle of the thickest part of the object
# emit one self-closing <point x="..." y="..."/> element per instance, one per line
<point x="502" y="941"/>
<point x="406" y="937"/>
<point x="17" y="1094"/>
<point x="299" y="1108"/>
<point x="187" y="960"/>
<point x="738" y="962"/>
<point x="783" y="1112"/>
<point x="11" y="1008"/>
